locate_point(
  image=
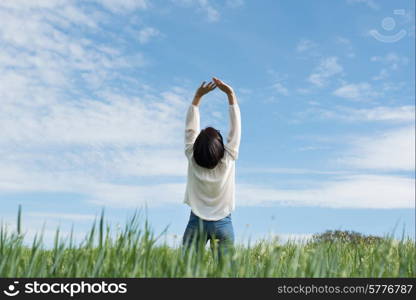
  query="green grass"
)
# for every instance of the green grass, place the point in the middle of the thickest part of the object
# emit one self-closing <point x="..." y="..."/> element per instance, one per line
<point x="134" y="252"/>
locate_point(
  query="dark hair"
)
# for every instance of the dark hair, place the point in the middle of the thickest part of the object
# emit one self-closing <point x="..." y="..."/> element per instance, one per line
<point x="208" y="148"/>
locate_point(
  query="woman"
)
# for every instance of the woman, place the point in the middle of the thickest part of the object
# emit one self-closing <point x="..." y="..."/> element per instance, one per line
<point x="210" y="188"/>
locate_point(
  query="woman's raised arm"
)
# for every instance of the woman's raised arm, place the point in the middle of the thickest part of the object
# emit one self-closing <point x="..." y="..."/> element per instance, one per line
<point x="192" y="125"/>
<point x="234" y="135"/>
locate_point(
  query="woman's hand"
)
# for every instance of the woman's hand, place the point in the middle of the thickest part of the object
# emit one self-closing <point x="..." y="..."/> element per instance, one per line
<point x="202" y="90"/>
<point x="223" y="86"/>
<point x="205" y="89"/>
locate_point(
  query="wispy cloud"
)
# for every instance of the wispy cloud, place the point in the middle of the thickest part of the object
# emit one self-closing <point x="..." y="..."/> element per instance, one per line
<point x="343" y="191"/>
<point x="347" y="44"/>
<point x="383" y="74"/>
<point x="279" y="84"/>
<point x="212" y="14"/>
<point x="280" y="89"/>
<point x="99" y="188"/>
<point x="94" y="123"/>
<point x="391" y="59"/>
<point x="404" y="113"/>
<point x="391" y="150"/>
<point x="355" y="191"/>
<point x="234" y="3"/>
<point x="205" y="7"/>
<point x="327" y="68"/>
<point x="357" y="91"/>
<point x="76" y="118"/>
<point x="147" y="33"/>
<point x="312" y="148"/>
<point x="288" y="171"/>
<point x="120" y="6"/>
<point x="305" y="45"/>
<point x="370" y="3"/>
<point x="390" y="114"/>
<point x="62" y="216"/>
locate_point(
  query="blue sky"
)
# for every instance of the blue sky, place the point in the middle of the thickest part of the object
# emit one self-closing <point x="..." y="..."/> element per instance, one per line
<point x="94" y="96"/>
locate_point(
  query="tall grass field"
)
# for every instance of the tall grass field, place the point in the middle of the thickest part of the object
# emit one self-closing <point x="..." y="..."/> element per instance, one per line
<point x="135" y="251"/>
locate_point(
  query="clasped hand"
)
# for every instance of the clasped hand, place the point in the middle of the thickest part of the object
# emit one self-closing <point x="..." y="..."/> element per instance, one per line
<point x="206" y="88"/>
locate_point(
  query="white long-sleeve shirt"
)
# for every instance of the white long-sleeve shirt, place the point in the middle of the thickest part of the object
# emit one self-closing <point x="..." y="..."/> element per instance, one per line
<point x="211" y="192"/>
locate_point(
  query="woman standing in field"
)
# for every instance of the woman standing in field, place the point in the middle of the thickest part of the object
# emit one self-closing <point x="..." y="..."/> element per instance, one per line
<point x="210" y="188"/>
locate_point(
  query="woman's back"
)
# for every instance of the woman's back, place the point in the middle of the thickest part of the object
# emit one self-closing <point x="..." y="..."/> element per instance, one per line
<point x="211" y="192"/>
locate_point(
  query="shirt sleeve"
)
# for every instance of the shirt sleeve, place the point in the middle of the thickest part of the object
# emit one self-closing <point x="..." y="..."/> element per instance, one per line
<point x="234" y="135"/>
<point x="191" y="128"/>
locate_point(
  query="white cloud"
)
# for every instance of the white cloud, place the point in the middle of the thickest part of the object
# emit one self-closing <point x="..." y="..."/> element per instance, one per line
<point x="120" y="6"/>
<point x="357" y="91"/>
<point x="46" y="225"/>
<point x="327" y="68"/>
<point x="392" y="150"/>
<point x="281" y="89"/>
<point x="93" y="123"/>
<point x="355" y="191"/>
<point x="391" y="59"/>
<point x="155" y="195"/>
<point x="370" y="3"/>
<point x="75" y="119"/>
<point x="279" y="86"/>
<point x="212" y="14"/>
<point x="62" y="216"/>
<point x="147" y="33"/>
<point x="383" y="74"/>
<point x="346" y="43"/>
<point x="304" y="91"/>
<point x="404" y="113"/>
<point x="28" y="4"/>
<point x="217" y="114"/>
<point x="398" y="114"/>
<point x="393" y="86"/>
<point x="288" y="171"/>
<point x="305" y="45"/>
<point x="234" y="3"/>
<point x="312" y="148"/>
<point x="205" y="7"/>
<point x="97" y="188"/>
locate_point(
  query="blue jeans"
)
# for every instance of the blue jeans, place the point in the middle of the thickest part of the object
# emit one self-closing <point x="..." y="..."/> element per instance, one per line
<point x="199" y="231"/>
